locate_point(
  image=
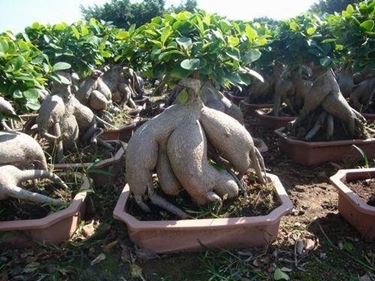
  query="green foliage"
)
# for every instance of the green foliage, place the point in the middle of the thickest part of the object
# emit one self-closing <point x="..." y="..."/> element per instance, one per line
<point x="178" y="45"/>
<point x="23" y="71"/>
<point x="123" y="13"/>
<point x="353" y="33"/>
<point x="301" y="40"/>
<point x="331" y="6"/>
<point x="84" y="45"/>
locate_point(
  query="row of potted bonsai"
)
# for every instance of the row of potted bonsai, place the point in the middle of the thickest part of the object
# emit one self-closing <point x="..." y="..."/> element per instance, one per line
<point x="181" y="235"/>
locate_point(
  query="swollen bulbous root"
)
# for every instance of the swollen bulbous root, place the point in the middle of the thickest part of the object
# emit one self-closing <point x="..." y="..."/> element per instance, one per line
<point x="174" y="144"/>
<point x="11" y="177"/>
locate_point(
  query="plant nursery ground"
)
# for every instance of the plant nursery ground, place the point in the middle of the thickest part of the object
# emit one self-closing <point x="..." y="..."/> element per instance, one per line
<point x="314" y="243"/>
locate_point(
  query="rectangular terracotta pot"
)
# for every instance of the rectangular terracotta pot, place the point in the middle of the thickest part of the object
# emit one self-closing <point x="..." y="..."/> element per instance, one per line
<point x="105" y="171"/>
<point x="249" y="108"/>
<point x="272" y="122"/>
<point x="53" y="229"/>
<point x="353" y="208"/>
<point x="200" y="234"/>
<point x="124" y="133"/>
<point x="313" y="153"/>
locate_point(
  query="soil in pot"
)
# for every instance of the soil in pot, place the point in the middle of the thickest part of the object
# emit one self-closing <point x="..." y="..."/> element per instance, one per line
<point x="365" y="189"/>
<point x="13" y="209"/>
<point x="254" y="200"/>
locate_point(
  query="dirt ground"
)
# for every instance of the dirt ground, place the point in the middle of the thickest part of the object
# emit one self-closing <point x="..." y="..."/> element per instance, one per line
<point x="314" y="243"/>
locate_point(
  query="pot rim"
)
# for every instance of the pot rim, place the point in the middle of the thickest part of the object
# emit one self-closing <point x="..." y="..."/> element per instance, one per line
<point x="262" y="114"/>
<point x="274" y="216"/>
<point x="315" y="144"/>
<point x="55" y="217"/>
<point x="339" y="181"/>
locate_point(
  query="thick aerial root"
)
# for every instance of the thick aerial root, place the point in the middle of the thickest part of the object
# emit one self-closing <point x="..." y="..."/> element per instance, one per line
<point x="187" y="144"/>
<point x="90" y="133"/>
<point x="6" y="127"/>
<point x="232" y="140"/>
<point x="164" y="204"/>
<point x="167" y="180"/>
<point x="318" y="124"/>
<point x="330" y="127"/>
<point x="11" y="177"/>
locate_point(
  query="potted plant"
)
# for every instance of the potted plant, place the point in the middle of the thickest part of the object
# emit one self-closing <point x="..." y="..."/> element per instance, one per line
<point x="357" y="198"/>
<point x="190" y="146"/>
<point x="54" y="221"/>
<point x="166" y="236"/>
<point x="326" y="127"/>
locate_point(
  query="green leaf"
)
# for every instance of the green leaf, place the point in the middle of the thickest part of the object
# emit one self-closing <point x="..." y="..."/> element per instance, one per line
<point x="233" y="41"/>
<point x="184" y="42"/>
<point x="31" y="94"/>
<point x="3" y="46"/>
<point x="182" y="97"/>
<point x="310" y="31"/>
<point x="280" y="275"/>
<point x="251" y="56"/>
<point x="233" y="53"/>
<point x="250" y="33"/>
<point x="61" y="66"/>
<point x="33" y="104"/>
<point x="326" y="61"/>
<point x="122" y="35"/>
<point x="166" y="55"/>
<point x="17" y="94"/>
<point x="190" y="64"/>
<point x="368" y="25"/>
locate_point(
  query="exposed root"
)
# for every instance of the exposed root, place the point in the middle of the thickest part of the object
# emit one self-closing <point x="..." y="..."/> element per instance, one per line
<point x="11" y="177"/>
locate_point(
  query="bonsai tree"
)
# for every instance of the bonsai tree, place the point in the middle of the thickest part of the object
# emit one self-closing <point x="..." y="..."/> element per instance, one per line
<point x="324" y="109"/>
<point x="193" y="49"/>
<point x="352" y="30"/>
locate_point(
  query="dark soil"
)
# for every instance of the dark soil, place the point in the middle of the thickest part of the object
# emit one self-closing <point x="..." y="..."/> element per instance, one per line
<point x="13" y="209"/>
<point x="255" y="200"/>
<point x="91" y="153"/>
<point x="364" y="189"/>
<point x="284" y="111"/>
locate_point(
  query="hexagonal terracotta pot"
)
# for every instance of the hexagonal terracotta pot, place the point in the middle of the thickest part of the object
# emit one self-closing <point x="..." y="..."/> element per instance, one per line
<point x="370" y="117"/>
<point x="54" y="228"/>
<point x="272" y="122"/>
<point x="199" y="234"/>
<point x="312" y="153"/>
<point x="235" y="99"/>
<point x="124" y="133"/>
<point x="103" y="172"/>
<point x="353" y="208"/>
<point x="249" y="108"/>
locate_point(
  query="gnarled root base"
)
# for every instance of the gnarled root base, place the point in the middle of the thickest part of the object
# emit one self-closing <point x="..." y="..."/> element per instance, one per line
<point x="325" y="108"/>
<point x="11" y="177"/>
<point x="174" y="144"/>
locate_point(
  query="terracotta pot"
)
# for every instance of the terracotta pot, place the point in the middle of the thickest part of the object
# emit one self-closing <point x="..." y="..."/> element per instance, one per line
<point x="249" y="108"/>
<point x="312" y="153"/>
<point x="235" y="99"/>
<point x="103" y="172"/>
<point x="124" y="133"/>
<point x="353" y="208"/>
<point x="54" y="228"/>
<point x="200" y="234"/>
<point x="272" y="122"/>
<point x="370" y="117"/>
